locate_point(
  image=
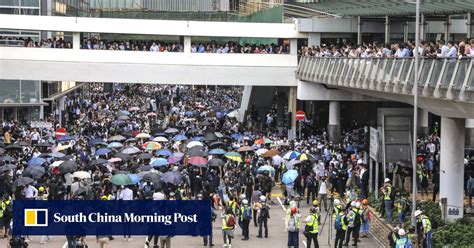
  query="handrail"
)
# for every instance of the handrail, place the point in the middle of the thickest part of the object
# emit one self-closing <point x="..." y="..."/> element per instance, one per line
<point x="17" y="43"/>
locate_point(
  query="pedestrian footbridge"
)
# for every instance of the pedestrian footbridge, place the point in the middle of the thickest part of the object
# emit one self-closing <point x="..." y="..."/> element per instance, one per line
<point x="446" y="86"/>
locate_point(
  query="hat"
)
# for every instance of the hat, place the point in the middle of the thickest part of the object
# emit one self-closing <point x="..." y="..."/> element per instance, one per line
<point x="418" y="212"/>
<point x="293" y="211"/>
<point x="337" y="202"/>
<point x="387" y="180"/>
<point x="401" y="232"/>
<point x="360" y="161"/>
<point x="353" y="204"/>
<point x="357" y="204"/>
<point x="245" y="202"/>
<point x="315" y="203"/>
<point x="263" y="198"/>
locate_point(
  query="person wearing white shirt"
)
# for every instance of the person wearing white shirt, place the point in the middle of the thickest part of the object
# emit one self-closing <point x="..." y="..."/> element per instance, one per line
<point x="444" y="49"/>
<point x="323" y="193"/>
<point x="154" y="47"/>
<point x="125" y="194"/>
<point x="31" y="192"/>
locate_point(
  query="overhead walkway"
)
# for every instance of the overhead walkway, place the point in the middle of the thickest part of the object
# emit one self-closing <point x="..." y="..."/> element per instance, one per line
<point x="446" y="86"/>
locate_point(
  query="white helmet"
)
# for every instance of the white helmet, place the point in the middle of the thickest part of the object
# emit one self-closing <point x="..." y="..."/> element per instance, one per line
<point x="401" y="232"/>
<point x="242" y="196"/>
<point x="387" y="180"/>
<point x="337" y="202"/>
<point x="245" y="202"/>
<point x="293" y="204"/>
<point x="353" y="204"/>
<point x="357" y="204"/>
<point x="263" y="198"/>
<point x="418" y="212"/>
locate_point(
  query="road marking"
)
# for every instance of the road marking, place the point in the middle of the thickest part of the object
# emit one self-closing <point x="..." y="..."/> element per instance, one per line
<point x="277" y="195"/>
<point x="304" y="243"/>
<point x="281" y="204"/>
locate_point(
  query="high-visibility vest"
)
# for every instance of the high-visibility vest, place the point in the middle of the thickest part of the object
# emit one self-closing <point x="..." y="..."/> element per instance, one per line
<point x="387" y="193"/>
<point x="224" y="223"/>
<point x="428" y="223"/>
<point x="314" y="222"/>
<point x="337" y="210"/>
<point x="344" y="226"/>
<point x="297" y="220"/>
<point x="403" y="242"/>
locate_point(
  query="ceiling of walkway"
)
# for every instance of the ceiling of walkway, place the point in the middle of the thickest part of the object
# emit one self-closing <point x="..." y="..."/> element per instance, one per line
<point x="388" y="7"/>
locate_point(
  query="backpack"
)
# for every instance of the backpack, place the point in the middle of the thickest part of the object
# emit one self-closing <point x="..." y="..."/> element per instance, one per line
<point x="338" y="222"/>
<point x="247" y="214"/>
<point x="292" y="224"/>
<point x="263" y="212"/>
<point x="357" y="218"/>
<point x="230" y="221"/>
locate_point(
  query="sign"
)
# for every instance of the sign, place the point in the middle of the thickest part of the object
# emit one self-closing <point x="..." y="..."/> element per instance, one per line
<point x="41" y="124"/>
<point x="453" y="211"/>
<point x="374" y="143"/>
<point x="300" y="115"/>
<point x="60" y="132"/>
<point x="95" y="217"/>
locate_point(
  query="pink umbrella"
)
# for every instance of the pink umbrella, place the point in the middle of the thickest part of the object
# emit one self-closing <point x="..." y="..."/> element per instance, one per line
<point x="134" y="109"/>
<point x="198" y="161"/>
<point x="174" y="159"/>
<point x="113" y="160"/>
<point x="151" y="114"/>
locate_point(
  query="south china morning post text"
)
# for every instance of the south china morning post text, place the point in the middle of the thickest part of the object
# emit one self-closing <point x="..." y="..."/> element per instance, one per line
<point x="139" y="217"/>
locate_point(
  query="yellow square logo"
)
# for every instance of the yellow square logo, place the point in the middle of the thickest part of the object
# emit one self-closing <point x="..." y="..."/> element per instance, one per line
<point x="36" y="217"/>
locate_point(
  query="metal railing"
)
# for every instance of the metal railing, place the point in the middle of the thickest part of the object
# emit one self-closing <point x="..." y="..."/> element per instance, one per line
<point x="12" y="43"/>
<point x="449" y="78"/>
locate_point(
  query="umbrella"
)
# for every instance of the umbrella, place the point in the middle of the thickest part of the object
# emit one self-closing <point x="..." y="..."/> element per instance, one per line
<point x="172" y="177"/>
<point x="271" y="153"/>
<point x="233" y="114"/>
<point x="36" y="161"/>
<point x="151" y="177"/>
<point x="216" y="162"/>
<point x="62" y="147"/>
<point x="7" y="167"/>
<point x="150" y="114"/>
<point x="180" y="137"/>
<point x="57" y="154"/>
<point x="8" y="159"/>
<point x="56" y="164"/>
<point x="95" y="142"/>
<point x="174" y="159"/>
<point x="217" y="152"/>
<point x="144" y="156"/>
<point x="123" y="112"/>
<point x="289" y="176"/>
<point x="102" y="151"/>
<point x="22" y="143"/>
<point x="114" y="145"/>
<point x="159" y="162"/>
<point x="117" y="138"/>
<point x="291" y="155"/>
<point x="151" y="146"/>
<point x="197" y="138"/>
<point x="160" y="139"/>
<point x="235" y="156"/>
<point x="13" y="146"/>
<point x="68" y="167"/>
<point x="171" y="130"/>
<point x="261" y="151"/>
<point x="263" y="141"/>
<point x="194" y="143"/>
<point x="142" y="136"/>
<point x="65" y="138"/>
<point x="209" y="137"/>
<point x="291" y="164"/>
<point x="135" y="178"/>
<point x="98" y="161"/>
<point x="131" y="150"/>
<point x="164" y="153"/>
<point x="178" y="154"/>
<point x="123" y="118"/>
<point x="134" y="109"/>
<point x="196" y="152"/>
<point x="35" y="172"/>
<point x="245" y="149"/>
<point x="217" y="143"/>
<point x="198" y="161"/>
<point x="266" y="168"/>
<point x="145" y="168"/>
<point x="121" y="179"/>
<point x="131" y="140"/>
<point x="219" y="134"/>
<point x="123" y="156"/>
<point x="236" y="136"/>
<point x="21" y="181"/>
<point x="43" y="145"/>
<point x="113" y="160"/>
<point x="81" y="174"/>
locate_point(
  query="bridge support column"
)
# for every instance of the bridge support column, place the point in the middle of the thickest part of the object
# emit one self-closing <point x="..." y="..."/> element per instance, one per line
<point x="422" y="122"/>
<point x="359" y="30"/>
<point x="334" y="127"/>
<point x="470" y="132"/>
<point x="292" y="109"/>
<point x="405" y="32"/>
<point x="387" y="29"/>
<point x="423" y="25"/>
<point x="452" y="166"/>
<point x="294" y="47"/>
<point x="76" y="40"/>
<point x="447" y="30"/>
<point x="470" y="25"/>
<point x="187" y="44"/>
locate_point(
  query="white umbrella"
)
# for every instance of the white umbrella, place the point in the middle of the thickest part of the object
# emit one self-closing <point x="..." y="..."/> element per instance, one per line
<point x="234" y="114"/>
<point x="194" y="143"/>
<point x="142" y="136"/>
<point x="160" y="139"/>
<point x="262" y="151"/>
<point x="56" y="163"/>
<point x="81" y="174"/>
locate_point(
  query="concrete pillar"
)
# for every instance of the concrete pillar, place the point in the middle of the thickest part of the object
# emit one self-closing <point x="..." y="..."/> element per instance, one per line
<point x="314" y="39"/>
<point x="61" y="108"/>
<point x="387" y="29"/>
<point x="292" y="109"/>
<point x="76" y="40"/>
<point x="294" y="47"/>
<point x="405" y="32"/>
<point x="244" y="105"/>
<point x="452" y="166"/>
<point x="41" y="113"/>
<point x="470" y="132"/>
<point x="334" y="127"/>
<point x="470" y="25"/>
<point x="422" y="122"/>
<point x="359" y="30"/>
<point x="447" y="31"/>
<point x="423" y="25"/>
<point x="187" y="44"/>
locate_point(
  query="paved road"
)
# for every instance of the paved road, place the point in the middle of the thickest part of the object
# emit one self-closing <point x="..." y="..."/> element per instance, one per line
<point x="277" y="236"/>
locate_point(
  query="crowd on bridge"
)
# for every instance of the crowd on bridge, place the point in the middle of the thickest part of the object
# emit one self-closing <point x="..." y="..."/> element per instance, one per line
<point x="427" y="49"/>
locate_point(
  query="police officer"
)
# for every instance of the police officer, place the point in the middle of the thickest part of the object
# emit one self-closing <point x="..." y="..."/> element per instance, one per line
<point x="312" y="221"/>
<point x="425" y="224"/>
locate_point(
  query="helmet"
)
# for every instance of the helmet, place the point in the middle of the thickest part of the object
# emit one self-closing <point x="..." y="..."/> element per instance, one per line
<point x="353" y="204"/>
<point x="199" y="196"/>
<point x="245" y="202"/>
<point x="365" y="202"/>
<point x="242" y="196"/>
<point x="293" y="211"/>
<point x="387" y="180"/>
<point x="263" y="198"/>
<point x="293" y="204"/>
<point x="337" y="202"/>
<point x="312" y="210"/>
<point x="41" y="189"/>
<point x="401" y="232"/>
<point x="418" y="212"/>
<point x="357" y="204"/>
<point x="315" y="203"/>
<point x="104" y="197"/>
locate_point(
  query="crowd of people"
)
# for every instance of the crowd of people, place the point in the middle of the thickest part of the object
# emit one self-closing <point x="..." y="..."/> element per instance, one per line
<point x="427" y="49"/>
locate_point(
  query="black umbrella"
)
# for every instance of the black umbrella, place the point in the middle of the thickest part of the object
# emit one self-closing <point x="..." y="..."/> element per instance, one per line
<point x="145" y="168"/>
<point x="216" y="162"/>
<point x="65" y="158"/>
<point x="8" y="159"/>
<point x="99" y="161"/>
<point x="196" y="153"/>
<point x="43" y="145"/>
<point x="123" y="156"/>
<point x="35" y="172"/>
<point x="205" y="123"/>
<point x="22" y="143"/>
<point x="144" y="156"/>
<point x="215" y="144"/>
<point x="172" y="177"/>
<point x="13" y="147"/>
<point x="209" y="137"/>
<point x="152" y="177"/>
<point x="67" y="167"/>
<point x="7" y="167"/>
<point x="21" y="181"/>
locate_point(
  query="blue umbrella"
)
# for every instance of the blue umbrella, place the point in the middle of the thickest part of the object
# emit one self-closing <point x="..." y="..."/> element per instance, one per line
<point x="36" y="161"/>
<point x="65" y="138"/>
<point x="102" y="151"/>
<point x="164" y="153"/>
<point x="96" y="142"/>
<point x="159" y="162"/>
<point x="266" y="168"/>
<point x="123" y="112"/>
<point x="115" y="145"/>
<point x="189" y="114"/>
<point x="291" y="155"/>
<point x="289" y="177"/>
<point x="135" y="178"/>
<point x="236" y="136"/>
<point x="198" y="138"/>
<point x="217" y="152"/>
<point x="180" y="137"/>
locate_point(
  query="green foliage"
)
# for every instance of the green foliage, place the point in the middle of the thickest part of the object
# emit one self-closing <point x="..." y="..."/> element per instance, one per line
<point x="375" y="203"/>
<point x="433" y="211"/>
<point x="457" y="234"/>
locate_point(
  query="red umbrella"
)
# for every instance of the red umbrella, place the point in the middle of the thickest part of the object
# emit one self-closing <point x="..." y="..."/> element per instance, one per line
<point x="198" y="161"/>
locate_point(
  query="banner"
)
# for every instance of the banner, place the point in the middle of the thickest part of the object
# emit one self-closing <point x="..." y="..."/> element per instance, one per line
<point x="82" y="218"/>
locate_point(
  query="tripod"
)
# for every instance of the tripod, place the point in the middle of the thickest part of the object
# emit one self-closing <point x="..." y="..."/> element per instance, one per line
<point x="329" y="213"/>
